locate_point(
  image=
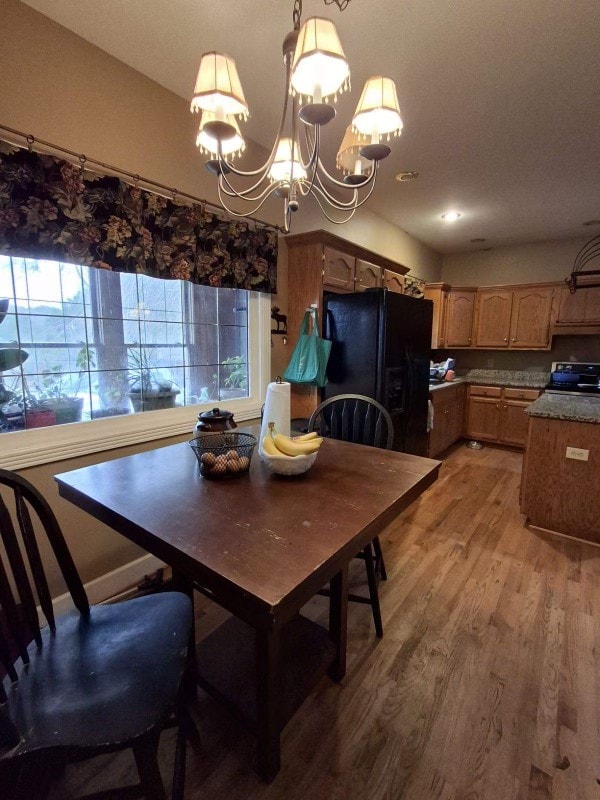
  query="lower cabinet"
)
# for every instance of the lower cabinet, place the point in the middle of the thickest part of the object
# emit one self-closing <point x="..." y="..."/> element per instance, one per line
<point x="448" y="418"/>
<point x="499" y="415"/>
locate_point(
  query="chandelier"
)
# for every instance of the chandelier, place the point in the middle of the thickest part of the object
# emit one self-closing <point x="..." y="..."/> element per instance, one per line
<point x="317" y="72"/>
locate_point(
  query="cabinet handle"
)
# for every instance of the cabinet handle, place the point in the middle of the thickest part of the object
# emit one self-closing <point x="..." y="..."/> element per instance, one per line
<point x="505" y="339"/>
<point x="513" y="339"/>
<point x="469" y="340"/>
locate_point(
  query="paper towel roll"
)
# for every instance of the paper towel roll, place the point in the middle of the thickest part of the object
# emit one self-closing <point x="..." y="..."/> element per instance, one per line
<point x="277" y="410"/>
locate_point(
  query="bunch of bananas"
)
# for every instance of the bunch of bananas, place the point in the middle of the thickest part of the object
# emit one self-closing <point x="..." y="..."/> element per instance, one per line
<point x="276" y="444"/>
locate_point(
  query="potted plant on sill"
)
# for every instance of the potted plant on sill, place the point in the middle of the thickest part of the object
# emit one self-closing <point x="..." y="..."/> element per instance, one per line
<point x="112" y="390"/>
<point x="12" y="405"/>
<point x="56" y="394"/>
<point x="148" y="390"/>
<point x="235" y="383"/>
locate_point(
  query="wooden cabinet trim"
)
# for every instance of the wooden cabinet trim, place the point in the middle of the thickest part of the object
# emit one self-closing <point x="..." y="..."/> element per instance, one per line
<point x="485" y="391"/>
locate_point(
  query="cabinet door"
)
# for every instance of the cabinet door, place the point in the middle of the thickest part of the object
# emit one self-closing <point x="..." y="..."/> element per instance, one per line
<point x="368" y="276"/>
<point x="439" y="296"/>
<point x="483" y="421"/>
<point x="338" y="270"/>
<point x="530" y="320"/>
<point x="459" y="318"/>
<point x="456" y="416"/>
<point x="572" y="306"/>
<point x="493" y="318"/>
<point x="592" y="304"/>
<point x="514" y="422"/>
<point x="393" y="281"/>
<point x="438" y="435"/>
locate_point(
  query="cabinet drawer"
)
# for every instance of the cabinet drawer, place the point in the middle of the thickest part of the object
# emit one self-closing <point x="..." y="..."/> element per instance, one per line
<point x="521" y="394"/>
<point x="485" y="391"/>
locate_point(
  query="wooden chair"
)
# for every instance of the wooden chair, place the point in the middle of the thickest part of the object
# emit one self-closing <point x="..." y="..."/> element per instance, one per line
<point x="361" y="420"/>
<point x="95" y="680"/>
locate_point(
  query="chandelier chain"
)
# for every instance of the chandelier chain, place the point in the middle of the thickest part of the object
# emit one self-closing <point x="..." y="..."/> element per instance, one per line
<point x="297" y="14"/>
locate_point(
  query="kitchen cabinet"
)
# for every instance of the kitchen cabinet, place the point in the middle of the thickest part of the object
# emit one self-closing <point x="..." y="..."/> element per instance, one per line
<point x="492" y="326"/>
<point x="497" y="414"/>
<point x="530" y="317"/>
<point x="557" y="493"/>
<point x="393" y="281"/>
<point x="367" y="275"/>
<point x="514" y="318"/>
<point x="344" y="273"/>
<point x="448" y="417"/>
<point x="338" y="270"/>
<point x="579" y="308"/>
<point x="438" y="294"/>
<point x="460" y="308"/>
<point x="320" y="261"/>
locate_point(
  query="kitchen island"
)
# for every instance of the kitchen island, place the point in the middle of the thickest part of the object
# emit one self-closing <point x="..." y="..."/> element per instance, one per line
<point x="560" y="485"/>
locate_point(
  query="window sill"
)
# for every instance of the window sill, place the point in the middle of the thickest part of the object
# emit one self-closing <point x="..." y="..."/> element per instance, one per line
<point x="30" y="448"/>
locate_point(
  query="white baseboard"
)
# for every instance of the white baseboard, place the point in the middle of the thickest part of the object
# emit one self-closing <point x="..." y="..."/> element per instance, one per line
<point x="110" y="584"/>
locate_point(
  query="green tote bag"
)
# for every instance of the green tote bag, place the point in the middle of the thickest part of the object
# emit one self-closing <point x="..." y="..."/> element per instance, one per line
<point x="308" y="364"/>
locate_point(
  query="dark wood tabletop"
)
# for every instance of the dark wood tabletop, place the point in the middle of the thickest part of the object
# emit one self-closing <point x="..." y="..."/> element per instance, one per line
<point x="265" y="534"/>
<point x="261" y="546"/>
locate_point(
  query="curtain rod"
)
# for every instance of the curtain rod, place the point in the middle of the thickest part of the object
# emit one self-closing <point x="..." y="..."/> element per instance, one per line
<point x="83" y="159"/>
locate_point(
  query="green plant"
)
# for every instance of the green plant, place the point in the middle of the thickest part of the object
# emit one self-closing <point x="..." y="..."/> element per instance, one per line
<point x="10" y="358"/>
<point x="144" y="377"/>
<point x="56" y="384"/>
<point x="237" y="373"/>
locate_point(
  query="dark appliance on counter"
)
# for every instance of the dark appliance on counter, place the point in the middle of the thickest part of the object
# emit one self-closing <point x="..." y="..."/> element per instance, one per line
<point x="381" y="348"/>
<point x="572" y="378"/>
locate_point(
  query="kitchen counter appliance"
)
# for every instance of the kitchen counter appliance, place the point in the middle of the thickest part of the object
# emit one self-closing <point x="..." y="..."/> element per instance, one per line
<point x="574" y="378"/>
<point x="381" y="348"/>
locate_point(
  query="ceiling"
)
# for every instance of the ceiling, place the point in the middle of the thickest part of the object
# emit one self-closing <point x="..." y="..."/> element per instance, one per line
<point x="500" y="100"/>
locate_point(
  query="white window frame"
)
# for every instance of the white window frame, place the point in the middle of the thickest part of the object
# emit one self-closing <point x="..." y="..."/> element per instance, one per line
<point x="29" y="448"/>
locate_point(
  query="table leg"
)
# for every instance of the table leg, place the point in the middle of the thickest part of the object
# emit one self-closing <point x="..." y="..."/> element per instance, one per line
<point x="181" y="583"/>
<point x="338" y="621"/>
<point x="267" y="702"/>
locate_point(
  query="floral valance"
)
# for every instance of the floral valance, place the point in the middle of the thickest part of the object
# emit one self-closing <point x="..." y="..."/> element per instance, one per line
<point x="53" y="209"/>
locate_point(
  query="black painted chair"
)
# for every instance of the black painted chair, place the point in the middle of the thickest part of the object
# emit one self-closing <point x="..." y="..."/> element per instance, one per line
<point x="96" y="680"/>
<point x="361" y="420"/>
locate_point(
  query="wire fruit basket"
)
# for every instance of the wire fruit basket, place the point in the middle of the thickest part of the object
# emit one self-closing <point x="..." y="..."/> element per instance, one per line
<point x="223" y="455"/>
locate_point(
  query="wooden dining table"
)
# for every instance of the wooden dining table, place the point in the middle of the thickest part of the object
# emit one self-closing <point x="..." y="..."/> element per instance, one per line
<point x="261" y="546"/>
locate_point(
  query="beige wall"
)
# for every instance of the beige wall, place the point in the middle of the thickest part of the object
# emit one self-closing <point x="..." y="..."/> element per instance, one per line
<point x="524" y="263"/>
<point x="67" y="91"/>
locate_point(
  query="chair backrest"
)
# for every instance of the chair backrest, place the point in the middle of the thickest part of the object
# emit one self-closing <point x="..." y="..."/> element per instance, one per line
<point x="23" y="569"/>
<point x="354" y="418"/>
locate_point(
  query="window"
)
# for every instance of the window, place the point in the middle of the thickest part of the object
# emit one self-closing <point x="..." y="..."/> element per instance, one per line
<point x="80" y="344"/>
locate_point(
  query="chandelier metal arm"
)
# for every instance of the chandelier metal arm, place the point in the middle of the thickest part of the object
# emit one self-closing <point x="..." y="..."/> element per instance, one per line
<point x="355" y="202"/>
<point x="253" y="211"/>
<point x="227" y="189"/>
<point x="316" y="193"/>
<point x="314" y="145"/>
<point x="324" y="171"/>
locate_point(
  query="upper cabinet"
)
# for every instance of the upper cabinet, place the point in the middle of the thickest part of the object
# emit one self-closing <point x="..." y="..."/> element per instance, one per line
<point x="530" y="318"/>
<point x="460" y="308"/>
<point x="492" y="327"/>
<point x="514" y="319"/>
<point x="338" y="270"/>
<point x="368" y="276"/>
<point x="495" y="317"/>
<point x="346" y="273"/>
<point x="438" y="294"/>
<point x="580" y="308"/>
<point x="393" y="281"/>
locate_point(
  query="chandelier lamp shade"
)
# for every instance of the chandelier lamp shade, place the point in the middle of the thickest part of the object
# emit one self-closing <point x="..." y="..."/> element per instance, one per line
<point x="317" y="72"/>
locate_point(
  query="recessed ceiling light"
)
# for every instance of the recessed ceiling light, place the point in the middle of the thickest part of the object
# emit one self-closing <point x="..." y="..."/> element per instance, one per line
<point x="450" y="216"/>
<point x="407" y="176"/>
<point x="478" y="240"/>
<point x="592" y="222"/>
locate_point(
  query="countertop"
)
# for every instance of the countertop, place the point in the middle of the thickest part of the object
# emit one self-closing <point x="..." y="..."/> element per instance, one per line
<point x="566" y="406"/>
<point x="498" y="377"/>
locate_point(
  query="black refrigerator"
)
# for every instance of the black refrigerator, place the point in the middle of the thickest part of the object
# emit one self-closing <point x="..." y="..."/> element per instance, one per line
<point x="381" y="348"/>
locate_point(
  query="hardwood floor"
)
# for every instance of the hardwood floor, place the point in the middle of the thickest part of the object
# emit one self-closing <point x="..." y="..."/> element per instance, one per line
<point x="485" y="684"/>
